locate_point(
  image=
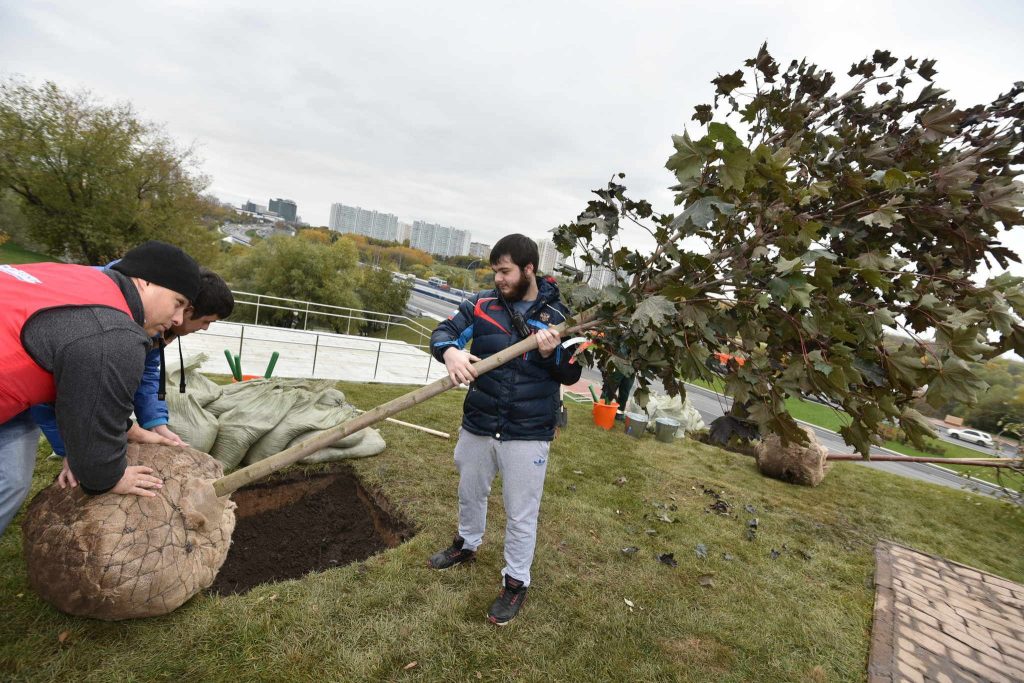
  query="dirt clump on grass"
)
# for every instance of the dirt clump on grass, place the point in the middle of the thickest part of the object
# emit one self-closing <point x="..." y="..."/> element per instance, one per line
<point x="795" y="463"/>
<point x="301" y="522"/>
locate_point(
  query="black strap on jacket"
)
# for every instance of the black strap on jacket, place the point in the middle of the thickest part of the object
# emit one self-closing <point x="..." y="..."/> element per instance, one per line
<point x="161" y="391"/>
<point x="181" y="359"/>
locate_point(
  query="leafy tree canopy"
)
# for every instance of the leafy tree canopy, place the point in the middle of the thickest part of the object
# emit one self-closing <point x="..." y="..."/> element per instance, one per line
<point x="306" y="268"/>
<point x="830" y="216"/>
<point x="302" y="269"/>
<point x="380" y="292"/>
<point x="94" y="180"/>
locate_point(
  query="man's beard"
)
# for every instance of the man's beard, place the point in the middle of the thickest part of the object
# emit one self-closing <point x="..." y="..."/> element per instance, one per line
<point x="519" y="290"/>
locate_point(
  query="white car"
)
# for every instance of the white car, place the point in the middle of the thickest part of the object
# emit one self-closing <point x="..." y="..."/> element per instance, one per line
<point x="972" y="435"/>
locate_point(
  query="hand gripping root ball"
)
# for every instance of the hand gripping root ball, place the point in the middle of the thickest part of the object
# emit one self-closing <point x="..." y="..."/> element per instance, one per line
<point x="117" y="556"/>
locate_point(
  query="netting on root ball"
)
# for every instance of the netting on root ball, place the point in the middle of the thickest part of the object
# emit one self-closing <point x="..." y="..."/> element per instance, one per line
<point x="794" y="463"/>
<point x="122" y="556"/>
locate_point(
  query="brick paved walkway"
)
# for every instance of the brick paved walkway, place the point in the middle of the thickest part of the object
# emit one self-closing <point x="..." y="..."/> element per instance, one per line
<point x="937" y="620"/>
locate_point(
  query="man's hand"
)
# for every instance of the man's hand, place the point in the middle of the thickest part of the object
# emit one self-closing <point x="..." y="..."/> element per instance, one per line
<point x="66" y="478"/>
<point x="137" y="481"/>
<point x="165" y="432"/>
<point x="459" y="365"/>
<point x="139" y="435"/>
<point x="547" y="341"/>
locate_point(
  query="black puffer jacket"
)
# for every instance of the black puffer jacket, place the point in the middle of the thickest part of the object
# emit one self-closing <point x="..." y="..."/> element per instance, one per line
<point x="517" y="401"/>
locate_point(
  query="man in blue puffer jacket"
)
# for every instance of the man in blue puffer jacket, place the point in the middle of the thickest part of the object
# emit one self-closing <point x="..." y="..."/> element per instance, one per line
<point x="509" y="414"/>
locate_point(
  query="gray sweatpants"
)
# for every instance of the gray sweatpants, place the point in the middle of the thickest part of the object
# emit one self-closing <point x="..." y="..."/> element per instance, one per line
<point x="523" y="465"/>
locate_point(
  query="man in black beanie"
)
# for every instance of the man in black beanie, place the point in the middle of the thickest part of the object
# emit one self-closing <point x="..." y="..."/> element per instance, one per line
<point x="78" y="337"/>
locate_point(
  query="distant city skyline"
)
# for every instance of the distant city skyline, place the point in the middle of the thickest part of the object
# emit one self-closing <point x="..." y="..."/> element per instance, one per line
<point x="549" y="258"/>
<point x="439" y="239"/>
<point x="285" y="208"/>
<point x="369" y="222"/>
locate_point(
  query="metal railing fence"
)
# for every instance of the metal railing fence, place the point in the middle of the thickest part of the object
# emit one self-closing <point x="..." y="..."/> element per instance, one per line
<point x="290" y="313"/>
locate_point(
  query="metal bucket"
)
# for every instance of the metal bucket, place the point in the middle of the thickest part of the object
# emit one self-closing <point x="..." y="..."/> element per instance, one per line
<point x="636" y="424"/>
<point x="665" y="429"/>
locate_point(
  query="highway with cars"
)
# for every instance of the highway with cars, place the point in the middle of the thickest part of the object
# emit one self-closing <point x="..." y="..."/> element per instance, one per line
<point x="422" y="304"/>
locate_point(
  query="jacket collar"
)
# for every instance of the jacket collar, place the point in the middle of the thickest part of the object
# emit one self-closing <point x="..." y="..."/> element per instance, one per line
<point x="131" y="295"/>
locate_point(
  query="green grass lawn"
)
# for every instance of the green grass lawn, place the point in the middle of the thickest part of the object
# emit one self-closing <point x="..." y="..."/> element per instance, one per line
<point x="15" y="253"/>
<point x="409" y="333"/>
<point x="803" y="616"/>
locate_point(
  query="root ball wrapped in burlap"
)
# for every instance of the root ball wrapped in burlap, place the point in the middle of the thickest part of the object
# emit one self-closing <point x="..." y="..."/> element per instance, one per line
<point x="794" y="463"/>
<point x="121" y="556"/>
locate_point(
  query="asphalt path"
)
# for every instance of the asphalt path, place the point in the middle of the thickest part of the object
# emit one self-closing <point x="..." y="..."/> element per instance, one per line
<point x="711" y="405"/>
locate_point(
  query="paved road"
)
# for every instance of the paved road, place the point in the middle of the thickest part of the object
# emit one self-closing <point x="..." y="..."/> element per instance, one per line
<point x="988" y="452"/>
<point x="429" y="306"/>
<point x="711" y="405"/>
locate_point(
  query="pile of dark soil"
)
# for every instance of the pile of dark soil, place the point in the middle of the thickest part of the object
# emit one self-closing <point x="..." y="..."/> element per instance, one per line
<point x="298" y="523"/>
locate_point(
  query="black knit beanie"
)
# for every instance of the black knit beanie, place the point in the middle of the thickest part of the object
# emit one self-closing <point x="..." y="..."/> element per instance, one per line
<point x="162" y="264"/>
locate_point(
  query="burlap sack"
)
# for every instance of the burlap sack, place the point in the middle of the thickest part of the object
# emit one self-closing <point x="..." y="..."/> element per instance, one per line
<point x="308" y="414"/>
<point x="188" y="420"/>
<point x="197" y="385"/>
<point x="795" y="463"/>
<point x="252" y="417"/>
<point x="122" y="556"/>
<point x="362" y="444"/>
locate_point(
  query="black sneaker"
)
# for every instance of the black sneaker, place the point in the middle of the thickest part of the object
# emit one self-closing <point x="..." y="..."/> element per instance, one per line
<point x="452" y="555"/>
<point x="510" y="599"/>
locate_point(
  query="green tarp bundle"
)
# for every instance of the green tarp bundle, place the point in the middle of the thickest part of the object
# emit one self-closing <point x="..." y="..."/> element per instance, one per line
<point x="242" y="423"/>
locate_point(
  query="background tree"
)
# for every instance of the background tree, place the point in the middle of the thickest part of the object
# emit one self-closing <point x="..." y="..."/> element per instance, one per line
<point x="297" y="268"/>
<point x="94" y="180"/>
<point x="484" y="277"/>
<point x="996" y="405"/>
<point x="403" y="257"/>
<point x="215" y="213"/>
<point x="830" y="217"/>
<point x="382" y="294"/>
<point x="1003" y="400"/>
<point x="318" y="235"/>
<point x="12" y="220"/>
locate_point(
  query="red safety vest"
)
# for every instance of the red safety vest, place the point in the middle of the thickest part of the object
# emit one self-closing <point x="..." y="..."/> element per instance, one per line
<point x="25" y="291"/>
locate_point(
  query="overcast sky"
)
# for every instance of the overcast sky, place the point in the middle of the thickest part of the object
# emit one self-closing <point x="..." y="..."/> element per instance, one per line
<point x="491" y="119"/>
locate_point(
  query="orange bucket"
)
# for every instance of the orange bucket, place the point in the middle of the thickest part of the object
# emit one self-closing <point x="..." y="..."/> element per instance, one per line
<point x="604" y="414"/>
<point x="246" y="378"/>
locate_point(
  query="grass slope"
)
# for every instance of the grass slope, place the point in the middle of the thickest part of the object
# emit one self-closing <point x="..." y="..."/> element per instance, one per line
<point x="409" y="334"/>
<point x="14" y="253"/>
<point x="803" y="616"/>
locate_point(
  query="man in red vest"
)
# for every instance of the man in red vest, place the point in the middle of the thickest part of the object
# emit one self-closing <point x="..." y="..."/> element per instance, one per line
<point x="78" y="337"/>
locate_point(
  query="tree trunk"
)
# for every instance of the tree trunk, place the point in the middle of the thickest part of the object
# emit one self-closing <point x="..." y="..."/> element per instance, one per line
<point x="1012" y="463"/>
